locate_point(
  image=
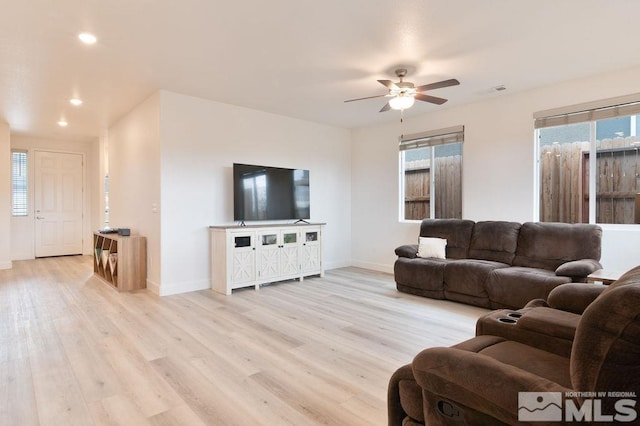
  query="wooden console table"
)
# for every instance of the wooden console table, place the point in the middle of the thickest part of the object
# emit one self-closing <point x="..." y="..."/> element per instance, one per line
<point x="120" y="261"/>
<point x="604" y="276"/>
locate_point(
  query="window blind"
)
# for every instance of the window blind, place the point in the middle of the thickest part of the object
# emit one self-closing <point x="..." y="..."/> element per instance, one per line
<point x="19" y="183"/>
<point x="432" y="138"/>
<point x="592" y="111"/>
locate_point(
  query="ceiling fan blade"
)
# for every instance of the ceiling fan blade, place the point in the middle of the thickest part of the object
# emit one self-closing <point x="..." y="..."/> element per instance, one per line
<point x="438" y="85"/>
<point x="432" y="99"/>
<point x="368" y="97"/>
<point x="388" y="84"/>
<point x="386" y="107"/>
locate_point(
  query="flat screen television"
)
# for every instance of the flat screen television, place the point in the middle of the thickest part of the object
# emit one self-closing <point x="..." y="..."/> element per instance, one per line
<point x="270" y="193"/>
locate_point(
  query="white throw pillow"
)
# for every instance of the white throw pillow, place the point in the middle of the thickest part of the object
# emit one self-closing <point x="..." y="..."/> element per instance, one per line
<point x="432" y="247"/>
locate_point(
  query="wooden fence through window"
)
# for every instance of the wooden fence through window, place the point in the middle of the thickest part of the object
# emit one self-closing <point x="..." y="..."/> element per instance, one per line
<point x="564" y="186"/>
<point x="448" y="185"/>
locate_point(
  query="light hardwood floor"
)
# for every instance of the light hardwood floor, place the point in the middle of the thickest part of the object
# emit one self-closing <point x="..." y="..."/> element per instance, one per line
<point x="75" y="352"/>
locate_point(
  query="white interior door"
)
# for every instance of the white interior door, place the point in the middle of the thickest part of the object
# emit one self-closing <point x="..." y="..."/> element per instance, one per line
<point x="58" y="203"/>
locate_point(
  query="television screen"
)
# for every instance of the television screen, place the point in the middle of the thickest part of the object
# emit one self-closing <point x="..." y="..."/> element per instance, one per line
<point x="270" y="193"/>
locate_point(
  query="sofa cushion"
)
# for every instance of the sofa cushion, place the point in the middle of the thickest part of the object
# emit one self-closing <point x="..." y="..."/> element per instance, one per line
<point x="513" y="287"/>
<point x="457" y="232"/>
<point x="541" y="363"/>
<point x="548" y="245"/>
<point x="494" y="240"/>
<point x="552" y="322"/>
<point x="468" y="276"/>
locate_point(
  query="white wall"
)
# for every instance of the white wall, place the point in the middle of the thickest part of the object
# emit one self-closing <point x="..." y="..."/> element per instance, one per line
<point x="5" y="197"/>
<point x="201" y="139"/>
<point x="23" y="228"/>
<point x="134" y="178"/>
<point x="170" y="164"/>
<point x="497" y="171"/>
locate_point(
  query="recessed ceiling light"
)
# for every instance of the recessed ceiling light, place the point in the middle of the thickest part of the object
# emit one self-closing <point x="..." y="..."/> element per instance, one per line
<point x="87" y="38"/>
<point x="62" y="123"/>
<point x="75" y="101"/>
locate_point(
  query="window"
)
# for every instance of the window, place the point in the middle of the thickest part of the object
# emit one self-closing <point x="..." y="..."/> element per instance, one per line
<point x="431" y="174"/>
<point x="19" y="192"/>
<point x="573" y="186"/>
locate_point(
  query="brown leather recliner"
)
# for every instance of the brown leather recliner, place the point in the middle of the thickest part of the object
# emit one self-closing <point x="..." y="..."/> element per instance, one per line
<point x="478" y="381"/>
<point x="549" y="324"/>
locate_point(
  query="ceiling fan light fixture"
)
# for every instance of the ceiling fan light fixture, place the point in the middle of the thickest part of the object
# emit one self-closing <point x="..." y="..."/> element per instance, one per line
<point x="401" y="102"/>
<point x="87" y="38"/>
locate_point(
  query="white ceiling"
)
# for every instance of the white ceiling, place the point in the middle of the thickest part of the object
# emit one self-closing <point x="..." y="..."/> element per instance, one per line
<point x="292" y="57"/>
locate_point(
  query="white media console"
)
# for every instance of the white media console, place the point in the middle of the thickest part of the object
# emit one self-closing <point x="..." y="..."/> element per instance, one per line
<point x="246" y="256"/>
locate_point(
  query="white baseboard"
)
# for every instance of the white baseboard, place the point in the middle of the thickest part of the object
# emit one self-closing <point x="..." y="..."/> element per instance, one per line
<point x="183" y="287"/>
<point x="336" y="265"/>
<point x="380" y="267"/>
<point x="6" y="264"/>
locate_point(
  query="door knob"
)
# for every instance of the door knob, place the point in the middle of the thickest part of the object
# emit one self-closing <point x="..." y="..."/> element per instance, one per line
<point x="39" y="217"/>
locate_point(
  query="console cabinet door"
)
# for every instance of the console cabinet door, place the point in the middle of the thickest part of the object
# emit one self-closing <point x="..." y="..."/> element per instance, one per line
<point x="268" y="253"/>
<point x="311" y="250"/>
<point x="243" y="258"/>
<point x="290" y="252"/>
<point x="278" y="254"/>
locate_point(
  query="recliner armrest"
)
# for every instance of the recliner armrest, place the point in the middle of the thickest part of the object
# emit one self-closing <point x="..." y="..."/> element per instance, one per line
<point x="574" y="297"/>
<point x="578" y="269"/>
<point x="407" y="250"/>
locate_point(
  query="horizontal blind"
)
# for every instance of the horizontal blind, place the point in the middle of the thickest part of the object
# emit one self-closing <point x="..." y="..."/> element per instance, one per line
<point x="19" y="183"/>
<point x="431" y="138"/>
<point x="582" y="113"/>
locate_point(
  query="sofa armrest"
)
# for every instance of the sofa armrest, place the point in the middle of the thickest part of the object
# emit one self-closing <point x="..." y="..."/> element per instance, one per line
<point x="537" y="303"/>
<point x="482" y="382"/>
<point x="574" y="297"/>
<point x="578" y="269"/>
<point x="408" y="250"/>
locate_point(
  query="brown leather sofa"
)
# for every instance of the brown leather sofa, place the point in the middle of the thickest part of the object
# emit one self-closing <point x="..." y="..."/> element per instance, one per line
<point x="498" y="264"/>
<point x="478" y="381"/>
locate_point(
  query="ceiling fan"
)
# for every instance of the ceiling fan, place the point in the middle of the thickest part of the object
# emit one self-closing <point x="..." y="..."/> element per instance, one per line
<point x="403" y="93"/>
